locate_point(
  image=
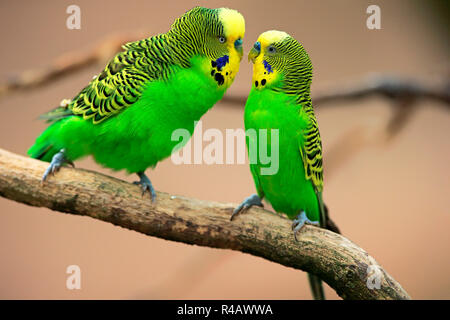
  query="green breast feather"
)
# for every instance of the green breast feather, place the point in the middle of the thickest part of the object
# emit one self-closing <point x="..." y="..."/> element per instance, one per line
<point x="291" y="189"/>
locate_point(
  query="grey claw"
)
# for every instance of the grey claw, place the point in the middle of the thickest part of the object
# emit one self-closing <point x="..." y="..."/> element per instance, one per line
<point x="253" y="200"/>
<point x="241" y="207"/>
<point x="57" y="162"/>
<point x="300" y="222"/>
<point x="146" y="186"/>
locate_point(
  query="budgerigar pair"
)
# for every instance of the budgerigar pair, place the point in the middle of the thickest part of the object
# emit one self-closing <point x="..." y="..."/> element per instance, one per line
<point x="126" y="115"/>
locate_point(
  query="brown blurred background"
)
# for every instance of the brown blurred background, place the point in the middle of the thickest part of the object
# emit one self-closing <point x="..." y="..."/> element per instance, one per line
<point x="389" y="197"/>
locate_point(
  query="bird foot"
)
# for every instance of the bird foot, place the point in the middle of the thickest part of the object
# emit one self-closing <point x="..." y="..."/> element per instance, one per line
<point x="146" y="185"/>
<point x="57" y="162"/>
<point x="299" y="223"/>
<point x="253" y="200"/>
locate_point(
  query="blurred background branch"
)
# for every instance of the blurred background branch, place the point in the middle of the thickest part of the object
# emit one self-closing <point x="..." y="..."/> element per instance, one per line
<point x="343" y="265"/>
<point x="68" y="64"/>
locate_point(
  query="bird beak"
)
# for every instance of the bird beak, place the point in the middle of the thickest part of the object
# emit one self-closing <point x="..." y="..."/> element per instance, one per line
<point x="254" y="53"/>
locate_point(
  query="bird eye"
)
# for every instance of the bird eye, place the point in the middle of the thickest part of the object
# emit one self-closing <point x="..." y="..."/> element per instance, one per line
<point x="271" y="49"/>
<point x="222" y="39"/>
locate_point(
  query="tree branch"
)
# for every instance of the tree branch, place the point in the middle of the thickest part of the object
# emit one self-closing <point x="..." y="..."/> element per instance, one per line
<point x="335" y="259"/>
<point x="67" y="64"/>
<point x="391" y="87"/>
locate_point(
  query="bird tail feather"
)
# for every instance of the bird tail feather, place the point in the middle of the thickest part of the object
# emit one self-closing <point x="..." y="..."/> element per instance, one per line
<point x="316" y="287"/>
<point x="315" y="282"/>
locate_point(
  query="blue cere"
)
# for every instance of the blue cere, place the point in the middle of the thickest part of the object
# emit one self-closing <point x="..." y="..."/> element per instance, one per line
<point x="238" y="43"/>
<point x="267" y="66"/>
<point x="222" y="61"/>
<point x="257" y="46"/>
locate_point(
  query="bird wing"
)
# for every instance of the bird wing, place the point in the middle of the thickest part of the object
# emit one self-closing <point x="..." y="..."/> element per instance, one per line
<point x="311" y="153"/>
<point x="120" y="84"/>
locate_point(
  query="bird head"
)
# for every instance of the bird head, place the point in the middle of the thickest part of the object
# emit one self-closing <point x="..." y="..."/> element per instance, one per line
<point x="216" y="34"/>
<point x="280" y="61"/>
<point x="233" y="30"/>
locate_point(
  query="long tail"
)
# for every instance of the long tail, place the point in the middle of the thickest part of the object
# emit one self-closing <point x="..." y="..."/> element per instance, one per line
<point x="325" y="222"/>
<point x="330" y="225"/>
<point x="316" y="287"/>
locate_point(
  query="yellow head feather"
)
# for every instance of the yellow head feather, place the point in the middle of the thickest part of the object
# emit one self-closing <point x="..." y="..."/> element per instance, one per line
<point x="234" y="28"/>
<point x="233" y="23"/>
<point x="271" y="36"/>
<point x="261" y="76"/>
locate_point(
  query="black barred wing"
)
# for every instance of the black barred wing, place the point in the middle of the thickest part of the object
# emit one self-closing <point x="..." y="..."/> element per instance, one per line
<point x="115" y="89"/>
<point x="121" y="83"/>
<point x="311" y="152"/>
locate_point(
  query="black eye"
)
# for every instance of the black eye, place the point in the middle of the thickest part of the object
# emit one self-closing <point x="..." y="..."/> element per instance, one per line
<point x="271" y="49"/>
<point x="222" y="40"/>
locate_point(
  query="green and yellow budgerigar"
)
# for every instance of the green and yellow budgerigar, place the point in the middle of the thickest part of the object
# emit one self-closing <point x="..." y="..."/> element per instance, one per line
<point x="126" y="115"/>
<point x="280" y="99"/>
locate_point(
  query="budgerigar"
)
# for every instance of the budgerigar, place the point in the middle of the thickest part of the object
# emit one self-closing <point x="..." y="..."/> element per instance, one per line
<point x="280" y="99"/>
<point x="126" y="115"/>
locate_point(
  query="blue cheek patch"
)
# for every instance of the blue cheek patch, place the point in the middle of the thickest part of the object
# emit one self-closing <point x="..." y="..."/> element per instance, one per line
<point x="217" y="68"/>
<point x="222" y="62"/>
<point x="267" y="66"/>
